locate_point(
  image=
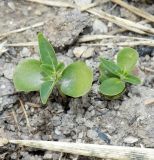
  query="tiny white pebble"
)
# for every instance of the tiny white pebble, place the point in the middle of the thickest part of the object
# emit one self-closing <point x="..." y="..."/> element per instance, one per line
<point x="3" y="86"/>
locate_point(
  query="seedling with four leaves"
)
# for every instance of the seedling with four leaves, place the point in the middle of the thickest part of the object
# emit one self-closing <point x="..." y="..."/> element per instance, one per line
<point x="43" y="75"/>
<point x="114" y="76"/>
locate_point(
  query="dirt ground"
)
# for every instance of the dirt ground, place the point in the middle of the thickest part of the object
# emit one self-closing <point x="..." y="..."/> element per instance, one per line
<point x="128" y="121"/>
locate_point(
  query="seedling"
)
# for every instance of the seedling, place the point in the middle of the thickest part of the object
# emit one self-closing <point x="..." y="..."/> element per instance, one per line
<point x="43" y="75"/>
<point x="114" y="76"/>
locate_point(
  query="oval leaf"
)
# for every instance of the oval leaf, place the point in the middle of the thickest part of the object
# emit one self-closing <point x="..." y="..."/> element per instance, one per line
<point x="127" y="59"/>
<point x="27" y="76"/>
<point x="45" y="91"/>
<point x="112" y="86"/>
<point x="132" y="79"/>
<point x="76" y="79"/>
<point x="47" y="52"/>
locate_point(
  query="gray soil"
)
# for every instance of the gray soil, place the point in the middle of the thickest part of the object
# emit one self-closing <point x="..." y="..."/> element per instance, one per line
<point x="127" y="121"/>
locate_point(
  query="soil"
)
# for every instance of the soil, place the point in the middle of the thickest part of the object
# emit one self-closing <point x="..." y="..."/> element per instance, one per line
<point x="127" y="121"/>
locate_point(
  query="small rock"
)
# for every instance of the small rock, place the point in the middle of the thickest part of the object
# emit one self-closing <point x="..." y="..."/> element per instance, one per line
<point x="92" y="134"/>
<point x="130" y="139"/>
<point x="25" y="52"/>
<point x="89" y="124"/>
<point x="99" y="27"/>
<point x="11" y="5"/>
<point x="78" y="51"/>
<point x="65" y="60"/>
<point x="57" y="130"/>
<point x="126" y="14"/>
<point x="88" y="53"/>
<point x="38" y="12"/>
<point x="6" y="87"/>
<point x="8" y="70"/>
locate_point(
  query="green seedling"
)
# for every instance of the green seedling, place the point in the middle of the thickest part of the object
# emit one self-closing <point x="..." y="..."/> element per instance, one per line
<point x="43" y="75"/>
<point x="114" y="76"/>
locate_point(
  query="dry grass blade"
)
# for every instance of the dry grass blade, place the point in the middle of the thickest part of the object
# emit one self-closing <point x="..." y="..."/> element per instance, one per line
<point x="135" y="10"/>
<point x="15" y="119"/>
<point x="129" y="25"/>
<point x="87" y="38"/>
<point x="53" y="3"/>
<point x="123" y="44"/>
<point x="92" y="150"/>
<point x="24" y="44"/>
<point x="149" y="101"/>
<point x="22" y="29"/>
<point x="26" y="116"/>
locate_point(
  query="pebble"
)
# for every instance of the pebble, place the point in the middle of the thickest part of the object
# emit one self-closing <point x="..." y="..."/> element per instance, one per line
<point x="78" y="51"/>
<point x="8" y="70"/>
<point x="11" y="5"/>
<point x="25" y="52"/>
<point x="92" y="134"/>
<point x="83" y="51"/>
<point x="130" y="139"/>
<point x="99" y="27"/>
<point x="6" y="87"/>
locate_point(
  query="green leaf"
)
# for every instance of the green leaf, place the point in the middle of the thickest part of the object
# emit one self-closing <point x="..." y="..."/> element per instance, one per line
<point x="45" y="90"/>
<point x="127" y="59"/>
<point x="110" y="66"/>
<point x="60" y="67"/>
<point x="76" y="79"/>
<point x="27" y="76"/>
<point x="132" y="79"/>
<point x="47" y="69"/>
<point x="47" y="52"/>
<point x="112" y="87"/>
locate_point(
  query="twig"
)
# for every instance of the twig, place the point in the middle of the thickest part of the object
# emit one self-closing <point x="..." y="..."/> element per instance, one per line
<point x="120" y="30"/>
<point x="92" y="150"/>
<point x="132" y="43"/>
<point x="149" y="101"/>
<point x="147" y="69"/>
<point x="129" y="25"/>
<point x="33" y="105"/>
<point x="15" y="119"/>
<point x="87" y="38"/>
<point x="26" y="116"/>
<point x="53" y="3"/>
<point x="22" y="44"/>
<point x="22" y="29"/>
<point x="135" y="10"/>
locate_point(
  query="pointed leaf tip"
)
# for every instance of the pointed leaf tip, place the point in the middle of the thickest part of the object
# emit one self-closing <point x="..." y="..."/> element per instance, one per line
<point x="47" y="52"/>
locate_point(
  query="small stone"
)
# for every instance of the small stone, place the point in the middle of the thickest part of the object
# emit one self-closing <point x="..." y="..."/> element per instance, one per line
<point x="65" y="60"/>
<point x="99" y="27"/>
<point x="83" y="51"/>
<point x="8" y="70"/>
<point x="38" y="12"/>
<point x="6" y="87"/>
<point x="88" y="53"/>
<point x="130" y="139"/>
<point x="89" y="124"/>
<point x="78" y="51"/>
<point x="92" y="134"/>
<point x="11" y="5"/>
<point x="57" y="131"/>
<point x="47" y="155"/>
<point x="25" y="52"/>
